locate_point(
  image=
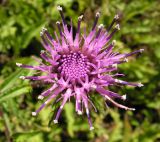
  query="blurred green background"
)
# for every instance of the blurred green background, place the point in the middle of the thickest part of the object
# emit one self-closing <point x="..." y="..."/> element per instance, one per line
<point x="20" y="24"/>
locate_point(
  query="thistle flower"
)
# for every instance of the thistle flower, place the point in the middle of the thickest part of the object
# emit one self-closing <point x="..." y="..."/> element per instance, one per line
<point x="75" y="66"/>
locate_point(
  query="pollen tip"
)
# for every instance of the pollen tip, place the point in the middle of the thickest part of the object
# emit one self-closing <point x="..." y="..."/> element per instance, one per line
<point x="46" y="102"/>
<point x="116" y="17"/>
<point x="140" y="85"/>
<point x="44" y="29"/>
<point x="59" y="8"/>
<point x="124" y="97"/>
<point x="34" y="113"/>
<point x="57" y="22"/>
<point x="40" y="97"/>
<point x="100" y="26"/>
<point x="41" y="33"/>
<point x="18" y="64"/>
<point x="55" y="121"/>
<point x="42" y="51"/>
<point x="117" y="27"/>
<point x="126" y="60"/>
<point x="118" y="81"/>
<point x="133" y="109"/>
<point x="94" y="86"/>
<point x="56" y="79"/>
<point x="114" y="65"/>
<point x="22" y="77"/>
<point x="91" y="128"/>
<point x="80" y="17"/>
<point x="113" y="42"/>
<point x="79" y="112"/>
<point x="141" y="50"/>
<point x="97" y="14"/>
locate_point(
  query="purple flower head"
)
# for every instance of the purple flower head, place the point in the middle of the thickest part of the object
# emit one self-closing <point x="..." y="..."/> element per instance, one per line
<point x="75" y="66"/>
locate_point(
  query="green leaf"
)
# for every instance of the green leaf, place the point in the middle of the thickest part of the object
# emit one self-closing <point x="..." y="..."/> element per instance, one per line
<point x="69" y="111"/>
<point x="30" y="33"/>
<point x="11" y="80"/>
<point x="14" y="92"/>
<point x="27" y="137"/>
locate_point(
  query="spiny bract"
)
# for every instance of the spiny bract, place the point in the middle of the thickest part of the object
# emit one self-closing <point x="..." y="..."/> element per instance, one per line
<point x="76" y="66"/>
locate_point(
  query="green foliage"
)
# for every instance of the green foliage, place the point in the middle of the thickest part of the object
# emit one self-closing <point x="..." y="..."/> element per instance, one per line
<point x="12" y="88"/>
<point x="20" y="24"/>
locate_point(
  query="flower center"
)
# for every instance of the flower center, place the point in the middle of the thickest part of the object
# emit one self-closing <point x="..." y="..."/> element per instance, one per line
<point x="74" y="65"/>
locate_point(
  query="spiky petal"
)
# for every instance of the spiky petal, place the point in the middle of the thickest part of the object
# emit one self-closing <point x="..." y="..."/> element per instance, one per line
<point x="76" y="66"/>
